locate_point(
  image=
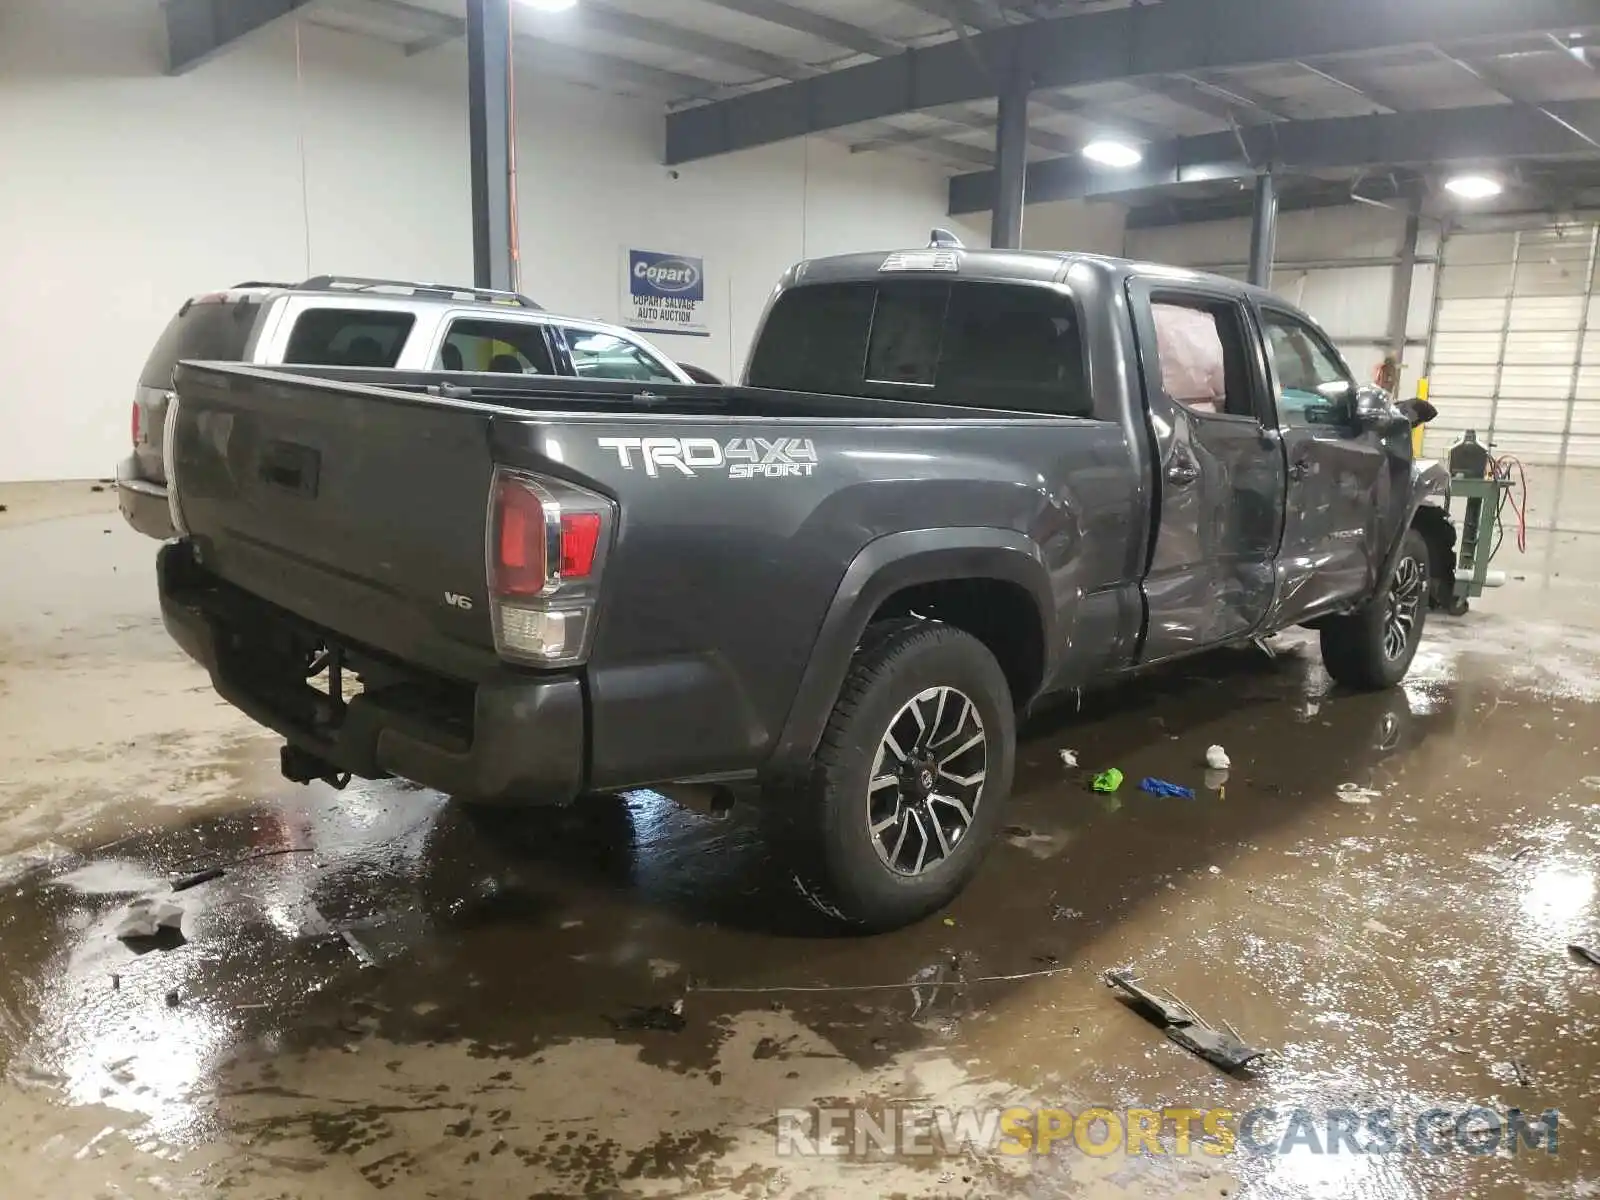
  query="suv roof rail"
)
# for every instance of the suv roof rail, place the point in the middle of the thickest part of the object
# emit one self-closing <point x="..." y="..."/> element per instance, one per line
<point x="258" y="283"/>
<point x="357" y="283"/>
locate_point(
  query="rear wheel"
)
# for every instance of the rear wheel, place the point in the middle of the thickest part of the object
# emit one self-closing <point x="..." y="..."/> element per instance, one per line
<point x="1372" y="648"/>
<point x="905" y="791"/>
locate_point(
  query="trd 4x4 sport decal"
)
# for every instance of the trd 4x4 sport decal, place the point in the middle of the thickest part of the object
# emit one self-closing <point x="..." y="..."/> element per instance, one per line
<point x="741" y="458"/>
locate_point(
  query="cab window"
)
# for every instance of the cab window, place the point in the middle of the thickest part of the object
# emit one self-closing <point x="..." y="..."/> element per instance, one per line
<point x="1200" y="346"/>
<point x="1010" y="347"/>
<point x="1312" y="384"/>
<point x="598" y="355"/>
<point x="501" y="347"/>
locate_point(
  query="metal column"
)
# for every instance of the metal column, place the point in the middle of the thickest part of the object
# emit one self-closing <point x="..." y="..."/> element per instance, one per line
<point x="1011" y="165"/>
<point x="1405" y="271"/>
<point x="1263" y="230"/>
<point x="489" y="113"/>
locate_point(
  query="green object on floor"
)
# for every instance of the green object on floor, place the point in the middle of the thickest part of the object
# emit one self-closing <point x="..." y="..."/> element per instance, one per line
<point x="1108" y="781"/>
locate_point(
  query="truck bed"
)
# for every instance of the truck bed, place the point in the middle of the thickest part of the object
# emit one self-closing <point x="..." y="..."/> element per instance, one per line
<point x="357" y="502"/>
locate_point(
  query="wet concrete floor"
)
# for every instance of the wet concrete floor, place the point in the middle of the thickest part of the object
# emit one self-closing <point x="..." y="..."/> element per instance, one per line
<point x="398" y="995"/>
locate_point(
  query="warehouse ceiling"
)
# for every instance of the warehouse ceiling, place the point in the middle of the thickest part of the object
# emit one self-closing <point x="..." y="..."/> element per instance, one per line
<point x="1331" y="110"/>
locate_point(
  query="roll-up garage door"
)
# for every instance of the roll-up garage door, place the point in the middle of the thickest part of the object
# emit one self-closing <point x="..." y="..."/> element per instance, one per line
<point x="1515" y="355"/>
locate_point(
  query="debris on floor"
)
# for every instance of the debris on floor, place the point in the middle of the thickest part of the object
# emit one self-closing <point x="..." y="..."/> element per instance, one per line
<point x="185" y="882"/>
<point x="1184" y="1026"/>
<point x="147" y="916"/>
<point x="1216" y="781"/>
<point x="1586" y="953"/>
<point x="1069" y="758"/>
<point x="1354" y="793"/>
<point x="663" y="1018"/>
<point x="1107" y="781"/>
<point x="1217" y="758"/>
<point x="363" y="955"/>
<point x="1522" y="1073"/>
<point x="1060" y="912"/>
<point x="1161" y="787"/>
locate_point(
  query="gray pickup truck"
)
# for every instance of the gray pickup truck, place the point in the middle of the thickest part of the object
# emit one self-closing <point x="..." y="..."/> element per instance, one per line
<point x="954" y="483"/>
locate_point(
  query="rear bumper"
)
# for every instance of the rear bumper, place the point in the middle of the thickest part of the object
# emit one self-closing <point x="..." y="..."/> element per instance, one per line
<point x="517" y="741"/>
<point x="143" y="503"/>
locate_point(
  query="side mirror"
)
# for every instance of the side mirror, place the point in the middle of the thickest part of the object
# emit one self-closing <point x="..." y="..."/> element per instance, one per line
<point x="1374" y="409"/>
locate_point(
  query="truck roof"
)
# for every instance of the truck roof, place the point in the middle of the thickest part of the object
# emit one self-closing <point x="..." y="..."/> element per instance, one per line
<point x="1030" y="266"/>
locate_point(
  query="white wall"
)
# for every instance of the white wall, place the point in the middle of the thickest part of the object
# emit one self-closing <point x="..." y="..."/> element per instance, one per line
<point x="1351" y="302"/>
<point x="124" y="191"/>
<point x="1095" y="228"/>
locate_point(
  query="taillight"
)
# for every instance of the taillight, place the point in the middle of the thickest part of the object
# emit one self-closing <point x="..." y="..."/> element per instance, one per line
<point x="136" y="419"/>
<point x="547" y="542"/>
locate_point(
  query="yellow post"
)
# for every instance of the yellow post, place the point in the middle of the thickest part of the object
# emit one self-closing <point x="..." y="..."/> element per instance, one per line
<point x="1417" y="433"/>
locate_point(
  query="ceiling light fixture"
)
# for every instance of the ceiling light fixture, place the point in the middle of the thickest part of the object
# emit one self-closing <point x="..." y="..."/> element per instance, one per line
<point x="1113" y="154"/>
<point x="1474" y="187"/>
<point x="550" y="6"/>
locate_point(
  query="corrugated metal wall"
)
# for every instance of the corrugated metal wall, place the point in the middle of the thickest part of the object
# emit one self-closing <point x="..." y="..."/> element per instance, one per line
<point x="1515" y="355"/>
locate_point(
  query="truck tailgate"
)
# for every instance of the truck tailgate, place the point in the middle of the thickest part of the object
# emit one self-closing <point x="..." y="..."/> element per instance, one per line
<point x="359" y="510"/>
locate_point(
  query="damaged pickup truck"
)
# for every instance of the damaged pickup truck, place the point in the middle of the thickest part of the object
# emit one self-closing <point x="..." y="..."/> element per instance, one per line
<point x="954" y="483"/>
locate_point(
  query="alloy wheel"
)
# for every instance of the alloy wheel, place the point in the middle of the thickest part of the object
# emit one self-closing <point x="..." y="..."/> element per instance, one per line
<point x="927" y="780"/>
<point x="1407" y="591"/>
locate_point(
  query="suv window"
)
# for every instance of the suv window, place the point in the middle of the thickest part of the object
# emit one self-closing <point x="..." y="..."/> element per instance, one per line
<point x="992" y="345"/>
<point x="202" y="329"/>
<point x="1313" y="388"/>
<point x="597" y="355"/>
<point x="348" y="337"/>
<point x="504" y="347"/>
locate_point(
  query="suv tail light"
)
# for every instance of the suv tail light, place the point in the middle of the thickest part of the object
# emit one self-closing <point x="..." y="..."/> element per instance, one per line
<point x="547" y="547"/>
<point x="136" y="418"/>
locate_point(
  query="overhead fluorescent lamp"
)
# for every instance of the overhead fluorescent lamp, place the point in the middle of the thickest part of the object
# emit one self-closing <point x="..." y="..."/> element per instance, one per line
<point x="1113" y="154"/>
<point x="1474" y="187"/>
<point x="550" y="6"/>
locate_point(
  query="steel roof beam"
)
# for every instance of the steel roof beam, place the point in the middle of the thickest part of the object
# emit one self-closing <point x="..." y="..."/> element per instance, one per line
<point x="1500" y="132"/>
<point x="814" y="24"/>
<point x="1119" y="44"/>
<point x="199" y="30"/>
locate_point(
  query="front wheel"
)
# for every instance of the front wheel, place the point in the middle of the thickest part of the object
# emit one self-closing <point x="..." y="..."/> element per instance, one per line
<point x="905" y="791"/>
<point x="1372" y="648"/>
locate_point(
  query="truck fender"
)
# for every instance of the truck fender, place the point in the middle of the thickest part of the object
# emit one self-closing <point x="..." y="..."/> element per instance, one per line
<point x="1430" y="484"/>
<point x="883" y="567"/>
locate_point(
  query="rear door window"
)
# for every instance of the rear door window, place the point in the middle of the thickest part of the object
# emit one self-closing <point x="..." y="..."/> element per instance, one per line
<point x="348" y="337"/>
<point x="503" y="347"/>
<point x="598" y="355"/>
<point x="214" y="330"/>
<point x="988" y="345"/>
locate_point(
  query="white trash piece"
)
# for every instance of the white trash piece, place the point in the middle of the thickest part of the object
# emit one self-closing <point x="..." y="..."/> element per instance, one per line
<point x="1354" y="793"/>
<point x="146" y="916"/>
<point x="1069" y="758"/>
<point x="1217" y="759"/>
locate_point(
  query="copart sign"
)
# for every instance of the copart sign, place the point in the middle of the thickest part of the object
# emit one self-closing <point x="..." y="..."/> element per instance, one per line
<point x="738" y="458"/>
<point x="664" y="293"/>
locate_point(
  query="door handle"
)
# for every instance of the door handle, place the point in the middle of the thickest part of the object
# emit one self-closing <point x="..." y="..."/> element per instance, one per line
<point x="1182" y="471"/>
<point x="1299" y="469"/>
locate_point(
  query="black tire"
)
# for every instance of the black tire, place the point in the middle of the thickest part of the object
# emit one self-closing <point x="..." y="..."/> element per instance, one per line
<point x="823" y="817"/>
<point x="1364" y="650"/>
